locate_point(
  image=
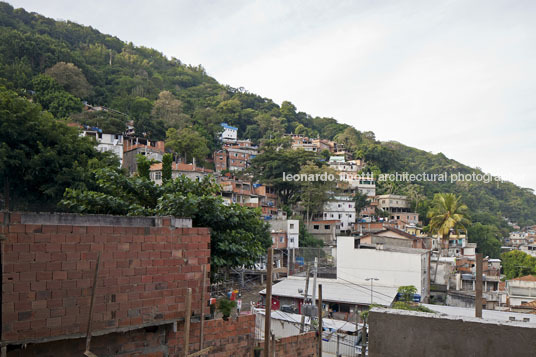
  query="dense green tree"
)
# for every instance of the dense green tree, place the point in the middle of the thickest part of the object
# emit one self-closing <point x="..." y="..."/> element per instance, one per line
<point x="188" y="143"/>
<point x="314" y="193"/>
<point x="517" y="263"/>
<point x="108" y="122"/>
<point x="41" y="156"/>
<point x="169" y="109"/>
<point x="53" y="98"/>
<point x="361" y="201"/>
<point x="71" y="78"/>
<point x="144" y="166"/>
<point x="167" y="161"/>
<point x="270" y="166"/>
<point x="487" y="237"/>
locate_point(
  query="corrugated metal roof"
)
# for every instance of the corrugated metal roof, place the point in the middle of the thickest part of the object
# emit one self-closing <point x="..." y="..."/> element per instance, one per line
<point x="336" y="291"/>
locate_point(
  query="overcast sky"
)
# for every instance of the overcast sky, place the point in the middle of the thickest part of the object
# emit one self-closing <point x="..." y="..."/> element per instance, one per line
<point x="457" y="77"/>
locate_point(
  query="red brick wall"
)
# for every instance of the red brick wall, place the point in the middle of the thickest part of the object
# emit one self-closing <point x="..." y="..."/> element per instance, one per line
<point x="302" y="345"/>
<point x="235" y="337"/>
<point x="144" y="274"/>
<point x="227" y="339"/>
<point x="142" y="342"/>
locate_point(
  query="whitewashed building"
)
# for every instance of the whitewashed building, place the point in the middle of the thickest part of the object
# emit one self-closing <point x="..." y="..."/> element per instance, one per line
<point x="107" y="142"/>
<point x="392" y="266"/>
<point x="342" y="209"/>
<point x="230" y="133"/>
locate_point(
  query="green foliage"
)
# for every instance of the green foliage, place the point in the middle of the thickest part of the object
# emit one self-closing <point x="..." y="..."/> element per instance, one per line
<point x="70" y="78"/>
<point x="109" y="122"/>
<point x="307" y="240"/>
<point x="402" y="305"/>
<point x="269" y="166"/>
<point x="238" y="235"/>
<point x="487" y="237"/>
<point x="225" y="307"/>
<point x="187" y="142"/>
<point x="361" y="201"/>
<point x="41" y="156"/>
<point x="407" y="292"/>
<point x="447" y="213"/>
<point x="517" y="263"/>
<point x="144" y="166"/>
<point x="167" y="161"/>
<point x="314" y="193"/>
<point x="53" y="98"/>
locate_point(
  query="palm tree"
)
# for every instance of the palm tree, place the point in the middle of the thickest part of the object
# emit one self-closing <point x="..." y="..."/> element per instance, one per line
<point x="446" y="214"/>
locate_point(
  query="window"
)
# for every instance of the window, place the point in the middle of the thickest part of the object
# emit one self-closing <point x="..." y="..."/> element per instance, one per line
<point x="281" y="239"/>
<point x="158" y="175"/>
<point x="291" y="240"/>
<point x="327" y="226"/>
<point x="292" y="226"/>
<point x="316" y="227"/>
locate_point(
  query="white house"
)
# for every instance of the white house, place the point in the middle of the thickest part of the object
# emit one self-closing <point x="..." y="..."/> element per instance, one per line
<point x="230" y="133"/>
<point x="521" y="290"/>
<point x="107" y="142"/>
<point x="392" y="266"/>
<point x="340" y="208"/>
<point x="293" y="233"/>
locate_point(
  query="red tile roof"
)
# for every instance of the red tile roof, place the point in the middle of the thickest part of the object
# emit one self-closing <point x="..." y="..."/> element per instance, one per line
<point x="526" y="278"/>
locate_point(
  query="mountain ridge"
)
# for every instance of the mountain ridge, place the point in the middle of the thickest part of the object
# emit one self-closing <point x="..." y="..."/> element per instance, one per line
<point x="130" y="79"/>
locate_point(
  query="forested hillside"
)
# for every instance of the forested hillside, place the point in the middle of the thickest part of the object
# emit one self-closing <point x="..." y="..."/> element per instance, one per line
<point x="60" y="64"/>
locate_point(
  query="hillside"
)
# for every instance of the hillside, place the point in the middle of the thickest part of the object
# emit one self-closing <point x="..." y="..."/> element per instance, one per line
<point x="138" y="82"/>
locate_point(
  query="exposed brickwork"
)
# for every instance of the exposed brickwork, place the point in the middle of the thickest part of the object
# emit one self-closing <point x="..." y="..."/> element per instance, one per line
<point x="235" y="337"/>
<point x="302" y="345"/>
<point x="144" y="274"/>
<point x="141" y="342"/>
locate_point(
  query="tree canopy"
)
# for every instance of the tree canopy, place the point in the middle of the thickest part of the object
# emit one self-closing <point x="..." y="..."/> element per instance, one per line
<point x="41" y="156"/>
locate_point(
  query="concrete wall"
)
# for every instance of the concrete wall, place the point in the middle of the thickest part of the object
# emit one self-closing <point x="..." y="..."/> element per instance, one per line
<point x="392" y="268"/>
<point x="409" y="333"/>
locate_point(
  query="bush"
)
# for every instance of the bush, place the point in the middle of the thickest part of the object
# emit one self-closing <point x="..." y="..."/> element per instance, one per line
<point x="226" y="306"/>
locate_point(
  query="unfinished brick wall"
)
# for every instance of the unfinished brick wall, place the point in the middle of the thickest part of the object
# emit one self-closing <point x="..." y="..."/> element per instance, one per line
<point x="227" y="339"/>
<point x="146" y="266"/>
<point x="235" y="337"/>
<point x="147" y="342"/>
<point x="302" y="345"/>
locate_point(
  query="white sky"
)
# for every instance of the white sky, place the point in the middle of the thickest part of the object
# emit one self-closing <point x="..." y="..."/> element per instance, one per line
<point x="457" y="77"/>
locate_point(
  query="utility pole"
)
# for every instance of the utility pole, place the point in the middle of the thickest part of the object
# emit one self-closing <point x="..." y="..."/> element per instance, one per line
<point x="268" y="304"/>
<point x="478" y="281"/>
<point x="371" y="287"/>
<point x="313" y="300"/>
<point x="302" y="325"/>
<point x="364" y="338"/>
<point x="288" y="260"/>
<point x="203" y="303"/>
<point x="320" y="329"/>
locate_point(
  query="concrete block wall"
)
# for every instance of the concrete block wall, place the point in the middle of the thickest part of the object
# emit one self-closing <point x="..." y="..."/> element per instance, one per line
<point x="146" y="266"/>
<point x="410" y="333"/>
